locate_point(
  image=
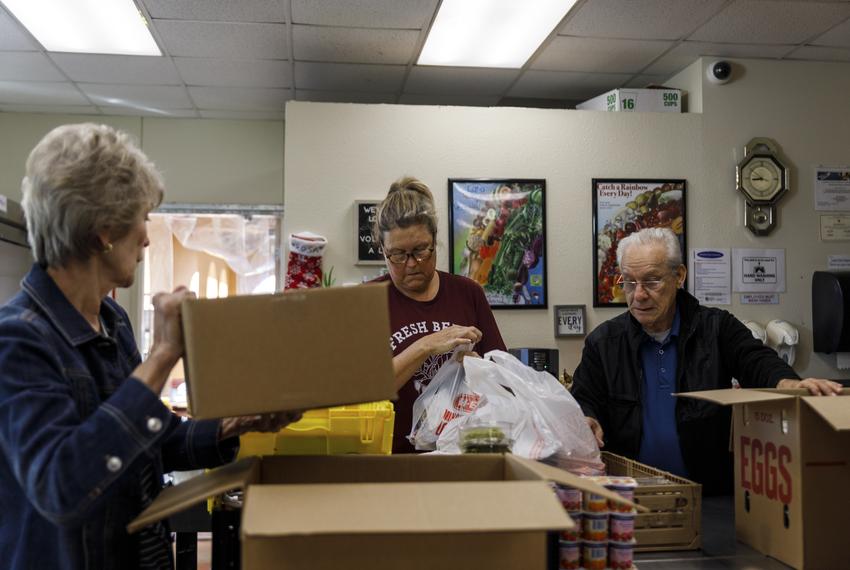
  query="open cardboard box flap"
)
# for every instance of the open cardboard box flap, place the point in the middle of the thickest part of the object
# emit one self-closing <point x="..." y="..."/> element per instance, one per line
<point x="460" y="481"/>
<point x="834" y="410"/>
<point x="733" y="396"/>
<point x="297" y="350"/>
<point x="176" y="499"/>
<point x="402" y="508"/>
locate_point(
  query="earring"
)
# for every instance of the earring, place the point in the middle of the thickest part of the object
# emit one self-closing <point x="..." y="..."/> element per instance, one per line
<point x="107" y="248"/>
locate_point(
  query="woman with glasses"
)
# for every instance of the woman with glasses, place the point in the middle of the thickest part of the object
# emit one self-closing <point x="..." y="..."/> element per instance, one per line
<point x="431" y="312"/>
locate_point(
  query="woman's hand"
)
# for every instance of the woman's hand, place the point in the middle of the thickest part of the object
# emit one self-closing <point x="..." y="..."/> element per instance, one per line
<point x="274" y="422"/>
<point x="167" y="327"/>
<point x="450" y="338"/>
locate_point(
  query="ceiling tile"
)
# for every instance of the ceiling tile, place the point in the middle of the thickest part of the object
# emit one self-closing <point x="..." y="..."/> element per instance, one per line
<point x="27" y="66"/>
<point x="565" y="84"/>
<point x="12" y="35"/>
<point x="41" y="93"/>
<point x="644" y="20"/>
<point x="218" y="10"/>
<point x="235" y="73"/>
<point x="349" y="77"/>
<point x="343" y="96"/>
<point x="449" y="99"/>
<point x="243" y="115"/>
<point x="818" y="53"/>
<point x="459" y="80"/>
<point x="122" y="69"/>
<point x="839" y="36"/>
<point x="50" y="109"/>
<point x="353" y="45"/>
<point x="686" y="53"/>
<point x="142" y="97"/>
<point x="222" y="39"/>
<point x="565" y="53"/>
<point x="770" y="22"/>
<point x="240" y="98"/>
<point x="409" y="14"/>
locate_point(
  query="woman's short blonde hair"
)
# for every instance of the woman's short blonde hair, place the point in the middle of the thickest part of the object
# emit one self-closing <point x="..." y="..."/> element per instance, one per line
<point x="409" y="202"/>
<point x="82" y="180"/>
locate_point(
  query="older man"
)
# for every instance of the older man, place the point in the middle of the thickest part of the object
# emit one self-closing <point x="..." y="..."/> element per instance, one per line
<point x="665" y="343"/>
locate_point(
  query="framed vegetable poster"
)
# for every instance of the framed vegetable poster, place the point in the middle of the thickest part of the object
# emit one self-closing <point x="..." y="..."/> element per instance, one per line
<point x="497" y="235"/>
<point x="621" y="207"/>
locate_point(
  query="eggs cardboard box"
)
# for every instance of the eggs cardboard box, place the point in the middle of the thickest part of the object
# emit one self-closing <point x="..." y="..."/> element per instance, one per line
<point x="630" y="100"/>
<point x="298" y="350"/>
<point x="792" y="468"/>
<point x="384" y="512"/>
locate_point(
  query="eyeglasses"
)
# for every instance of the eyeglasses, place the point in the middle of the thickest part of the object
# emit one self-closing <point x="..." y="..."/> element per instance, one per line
<point x="630" y="286"/>
<point x="420" y="255"/>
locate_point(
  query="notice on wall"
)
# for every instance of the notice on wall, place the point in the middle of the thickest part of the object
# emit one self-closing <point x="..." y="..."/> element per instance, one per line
<point x="3" y="204"/>
<point x="832" y="188"/>
<point x="835" y="228"/>
<point x="369" y="251"/>
<point x="760" y="299"/>
<point x="710" y="271"/>
<point x="758" y="270"/>
<point x="838" y="262"/>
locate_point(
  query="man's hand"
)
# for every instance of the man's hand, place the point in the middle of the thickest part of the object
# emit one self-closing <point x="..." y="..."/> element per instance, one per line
<point x="231" y="427"/>
<point x="596" y="429"/>
<point x="815" y="386"/>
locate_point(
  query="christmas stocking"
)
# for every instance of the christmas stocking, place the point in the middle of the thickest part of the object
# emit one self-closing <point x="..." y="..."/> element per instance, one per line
<point x="304" y="269"/>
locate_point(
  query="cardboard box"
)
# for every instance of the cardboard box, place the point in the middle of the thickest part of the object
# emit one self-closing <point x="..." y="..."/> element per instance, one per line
<point x="387" y="512"/>
<point x="792" y="470"/>
<point x="298" y="350"/>
<point x="674" y="519"/>
<point x="630" y="100"/>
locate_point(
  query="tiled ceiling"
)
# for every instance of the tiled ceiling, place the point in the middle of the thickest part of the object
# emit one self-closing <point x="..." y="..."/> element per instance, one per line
<point x="245" y="59"/>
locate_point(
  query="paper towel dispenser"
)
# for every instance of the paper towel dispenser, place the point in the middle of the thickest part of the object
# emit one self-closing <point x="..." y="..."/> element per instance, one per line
<point x="831" y="311"/>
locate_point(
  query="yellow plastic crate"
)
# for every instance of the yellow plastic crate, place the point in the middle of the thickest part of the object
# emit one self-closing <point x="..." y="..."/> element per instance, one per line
<point x="361" y="428"/>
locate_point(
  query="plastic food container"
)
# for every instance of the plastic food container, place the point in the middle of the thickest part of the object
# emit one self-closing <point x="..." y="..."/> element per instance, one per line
<point x="621" y="555"/>
<point x="569" y="497"/>
<point x="621" y="526"/>
<point x="570" y="555"/>
<point x="594" y="503"/>
<point x="574" y="534"/>
<point x="595" y="526"/>
<point x="594" y="554"/>
<point x="625" y="487"/>
<point x="485" y="438"/>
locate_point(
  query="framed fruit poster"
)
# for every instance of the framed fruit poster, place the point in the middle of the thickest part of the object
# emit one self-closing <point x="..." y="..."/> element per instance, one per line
<point x="497" y="235"/>
<point x="621" y="207"/>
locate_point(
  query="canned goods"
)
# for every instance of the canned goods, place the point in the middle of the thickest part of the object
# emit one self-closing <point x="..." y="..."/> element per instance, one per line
<point x="595" y="526"/>
<point x="570" y="497"/>
<point x="594" y="554"/>
<point x="573" y="534"/>
<point x="621" y="526"/>
<point x="621" y="555"/>
<point x="570" y="555"/>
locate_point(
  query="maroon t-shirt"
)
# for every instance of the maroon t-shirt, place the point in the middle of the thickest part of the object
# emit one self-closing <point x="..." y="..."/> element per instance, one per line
<point x="459" y="301"/>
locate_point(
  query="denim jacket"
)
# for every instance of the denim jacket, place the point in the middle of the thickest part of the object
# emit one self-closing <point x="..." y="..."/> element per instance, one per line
<point x="75" y="430"/>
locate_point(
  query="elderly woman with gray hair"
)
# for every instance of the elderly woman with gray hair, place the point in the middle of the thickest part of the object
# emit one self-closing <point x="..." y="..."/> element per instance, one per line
<point x="85" y="438"/>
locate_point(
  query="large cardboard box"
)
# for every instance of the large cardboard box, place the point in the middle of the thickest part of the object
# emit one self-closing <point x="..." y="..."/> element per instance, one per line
<point x="631" y="100"/>
<point x="792" y="470"/>
<point x="298" y="350"/>
<point x="387" y="512"/>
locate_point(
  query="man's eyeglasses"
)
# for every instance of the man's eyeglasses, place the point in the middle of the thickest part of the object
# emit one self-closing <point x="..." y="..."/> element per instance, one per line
<point x="630" y="286"/>
<point x="420" y="255"/>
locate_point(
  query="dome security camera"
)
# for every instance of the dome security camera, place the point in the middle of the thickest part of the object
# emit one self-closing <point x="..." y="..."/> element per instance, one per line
<point x="719" y="71"/>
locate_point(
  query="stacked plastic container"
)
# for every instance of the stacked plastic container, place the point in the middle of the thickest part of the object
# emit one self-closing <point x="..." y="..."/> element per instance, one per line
<point x="604" y="536"/>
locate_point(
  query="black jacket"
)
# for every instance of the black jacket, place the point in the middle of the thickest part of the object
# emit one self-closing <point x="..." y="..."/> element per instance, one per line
<point x="713" y="347"/>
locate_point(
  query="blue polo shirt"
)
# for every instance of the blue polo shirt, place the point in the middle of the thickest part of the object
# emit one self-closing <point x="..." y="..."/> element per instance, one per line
<point x="659" y="443"/>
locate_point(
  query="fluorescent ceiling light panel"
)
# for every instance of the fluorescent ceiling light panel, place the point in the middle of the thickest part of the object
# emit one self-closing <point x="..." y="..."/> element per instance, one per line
<point x="490" y="33"/>
<point x="86" y="26"/>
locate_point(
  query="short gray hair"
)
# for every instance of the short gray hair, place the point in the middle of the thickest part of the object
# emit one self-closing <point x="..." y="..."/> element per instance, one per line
<point x="81" y="180"/>
<point x="653" y="237"/>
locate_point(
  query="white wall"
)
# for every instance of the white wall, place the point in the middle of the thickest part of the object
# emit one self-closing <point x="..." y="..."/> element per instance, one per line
<point x="336" y="154"/>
